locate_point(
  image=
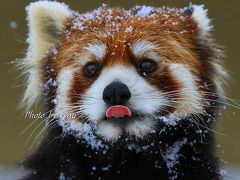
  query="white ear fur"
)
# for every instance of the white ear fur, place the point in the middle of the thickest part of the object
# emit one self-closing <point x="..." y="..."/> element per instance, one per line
<point x="200" y="15"/>
<point x="46" y="22"/>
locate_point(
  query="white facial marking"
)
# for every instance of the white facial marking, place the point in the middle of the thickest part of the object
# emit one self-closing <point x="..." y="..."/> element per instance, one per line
<point x="139" y="48"/>
<point x="145" y="99"/>
<point x="140" y="127"/>
<point x="190" y="100"/>
<point x="97" y="49"/>
<point x="109" y="131"/>
<point x="142" y="93"/>
<point x="64" y="82"/>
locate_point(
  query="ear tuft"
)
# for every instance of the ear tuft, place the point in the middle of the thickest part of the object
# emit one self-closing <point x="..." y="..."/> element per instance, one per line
<point x="200" y="15"/>
<point x="46" y="21"/>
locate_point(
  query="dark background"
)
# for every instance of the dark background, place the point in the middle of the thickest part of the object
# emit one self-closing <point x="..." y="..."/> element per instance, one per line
<point x="225" y="15"/>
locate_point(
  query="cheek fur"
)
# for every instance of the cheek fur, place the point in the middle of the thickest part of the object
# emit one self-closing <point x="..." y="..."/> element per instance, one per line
<point x="141" y="128"/>
<point x="108" y="131"/>
<point x="149" y="96"/>
<point x="64" y="81"/>
<point x="78" y="93"/>
<point x="189" y="101"/>
<point x="166" y="87"/>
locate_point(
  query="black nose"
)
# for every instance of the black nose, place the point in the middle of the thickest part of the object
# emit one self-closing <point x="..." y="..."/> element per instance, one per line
<point x="116" y="93"/>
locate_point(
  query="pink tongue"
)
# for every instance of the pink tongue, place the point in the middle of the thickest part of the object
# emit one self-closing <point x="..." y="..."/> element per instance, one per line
<point x="118" y="111"/>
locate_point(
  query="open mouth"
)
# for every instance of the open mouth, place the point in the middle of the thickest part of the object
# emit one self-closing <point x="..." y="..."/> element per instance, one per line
<point x="121" y="115"/>
<point x="118" y="111"/>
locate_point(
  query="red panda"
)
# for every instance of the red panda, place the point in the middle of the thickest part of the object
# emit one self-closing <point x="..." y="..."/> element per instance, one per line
<point x="135" y="92"/>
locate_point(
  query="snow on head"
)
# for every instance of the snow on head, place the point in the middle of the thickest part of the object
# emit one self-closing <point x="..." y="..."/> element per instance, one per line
<point x="144" y="11"/>
<point x="114" y="18"/>
<point x="200" y="15"/>
<point x="129" y="29"/>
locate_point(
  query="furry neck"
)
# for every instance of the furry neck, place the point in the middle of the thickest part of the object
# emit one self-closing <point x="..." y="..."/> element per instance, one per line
<point x="175" y="152"/>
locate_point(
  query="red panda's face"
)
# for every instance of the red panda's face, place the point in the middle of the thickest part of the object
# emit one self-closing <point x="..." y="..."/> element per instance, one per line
<point x="153" y="64"/>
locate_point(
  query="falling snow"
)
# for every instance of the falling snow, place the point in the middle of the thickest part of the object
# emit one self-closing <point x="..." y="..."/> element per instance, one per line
<point x="13" y="24"/>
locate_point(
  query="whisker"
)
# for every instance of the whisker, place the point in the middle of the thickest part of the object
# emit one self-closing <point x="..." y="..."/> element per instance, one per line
<point x="43" y="129"/>
<point x="33" y="132"/>
<point x="32" y="123"/>
<point x="213" y="130"/>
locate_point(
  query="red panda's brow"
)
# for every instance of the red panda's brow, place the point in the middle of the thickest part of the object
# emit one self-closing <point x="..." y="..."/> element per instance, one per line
<point x="173" y="38"/>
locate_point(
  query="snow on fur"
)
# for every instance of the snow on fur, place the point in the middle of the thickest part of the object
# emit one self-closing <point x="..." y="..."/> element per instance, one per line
<point x="47" y="13"/>
<point x="83" y="131"/>
<point x="200" y="16"/>
<point x="171" y="156"/>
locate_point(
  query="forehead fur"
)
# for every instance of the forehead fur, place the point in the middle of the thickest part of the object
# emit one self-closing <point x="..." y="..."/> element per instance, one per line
<point x="120" y="33"/>
<point x="115" y="20"/>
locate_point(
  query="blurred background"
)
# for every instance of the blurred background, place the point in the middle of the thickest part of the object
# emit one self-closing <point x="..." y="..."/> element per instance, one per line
<point x="15" y="143"/>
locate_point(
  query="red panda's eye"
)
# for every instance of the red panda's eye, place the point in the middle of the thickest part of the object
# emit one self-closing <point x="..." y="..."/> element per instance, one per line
<point x="147" y="65"/>
<point x="91" y="69"/>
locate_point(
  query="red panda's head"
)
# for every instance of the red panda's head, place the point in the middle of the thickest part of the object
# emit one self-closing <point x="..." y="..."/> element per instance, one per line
<point x="159" y="63"/>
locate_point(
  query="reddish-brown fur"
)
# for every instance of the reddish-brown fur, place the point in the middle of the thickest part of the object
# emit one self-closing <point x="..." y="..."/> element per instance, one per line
<point x="173" y="32"/>
<point x="176" y="39"/>
<point x="175" y="42"/>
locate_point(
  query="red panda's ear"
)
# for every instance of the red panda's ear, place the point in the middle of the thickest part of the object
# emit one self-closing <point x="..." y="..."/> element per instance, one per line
<point x="46" y="21"/>
<point x="200" y="15"/>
